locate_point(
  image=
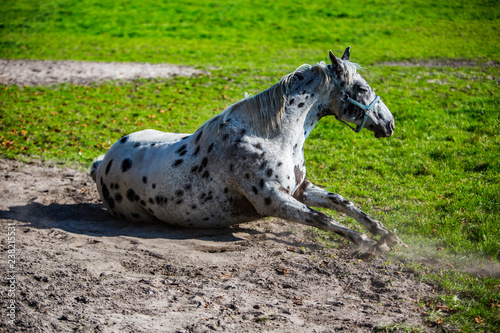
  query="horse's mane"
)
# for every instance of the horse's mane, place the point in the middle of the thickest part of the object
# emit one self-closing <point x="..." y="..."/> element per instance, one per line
<point x="266" y="109"/>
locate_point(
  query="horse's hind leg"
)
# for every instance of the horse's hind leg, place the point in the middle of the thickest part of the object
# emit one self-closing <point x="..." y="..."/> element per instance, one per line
<point x="314" y="196"/>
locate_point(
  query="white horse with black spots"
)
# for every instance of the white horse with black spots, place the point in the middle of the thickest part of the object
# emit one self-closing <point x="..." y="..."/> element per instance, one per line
<point x="248" y="162"/>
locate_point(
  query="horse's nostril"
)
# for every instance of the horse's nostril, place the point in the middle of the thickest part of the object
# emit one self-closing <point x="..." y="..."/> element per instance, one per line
<point x="391" y="125"/>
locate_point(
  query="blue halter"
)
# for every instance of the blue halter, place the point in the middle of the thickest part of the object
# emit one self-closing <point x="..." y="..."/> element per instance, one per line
<point x="346" y="99"/>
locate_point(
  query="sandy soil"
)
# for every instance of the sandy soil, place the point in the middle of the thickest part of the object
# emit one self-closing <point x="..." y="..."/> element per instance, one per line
<point x="454" y="63"/>
<point x="79" y="269"/>
<point x="46" y="72"/>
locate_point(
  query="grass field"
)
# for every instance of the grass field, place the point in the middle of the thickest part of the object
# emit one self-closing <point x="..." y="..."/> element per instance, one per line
<point x="436" y="181"/>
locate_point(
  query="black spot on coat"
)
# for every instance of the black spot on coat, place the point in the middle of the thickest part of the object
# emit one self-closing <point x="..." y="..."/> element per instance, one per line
<point x="196" y="151"/>
<point x="126" y="165"/>
<point x="109" y="166"/>
<point x="130" y="195"/>
<point x="161" y="200"/>
<point x="177" y="163"/>
<point x="105" y="192"/>
<point x="182" y="148"/>
<point x="198" y="137"/>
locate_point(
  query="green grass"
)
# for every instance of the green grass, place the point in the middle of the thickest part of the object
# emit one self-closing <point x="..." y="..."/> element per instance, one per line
<point x="256" y="34"/>
<point x="439" y="175"/>
<point x="463" y="301"/>
<point x="437" y="178"/>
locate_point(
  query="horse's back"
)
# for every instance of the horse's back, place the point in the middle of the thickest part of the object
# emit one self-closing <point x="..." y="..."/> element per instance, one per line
<point x="148" y="136"/>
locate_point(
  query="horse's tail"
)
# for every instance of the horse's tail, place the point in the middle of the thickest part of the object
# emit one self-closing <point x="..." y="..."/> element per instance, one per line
<point x="95" y="166"/>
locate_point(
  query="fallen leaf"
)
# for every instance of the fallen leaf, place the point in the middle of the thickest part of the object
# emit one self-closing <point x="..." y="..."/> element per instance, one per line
<point x="281" y="270"/>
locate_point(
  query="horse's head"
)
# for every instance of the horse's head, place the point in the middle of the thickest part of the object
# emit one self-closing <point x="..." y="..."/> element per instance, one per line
<point x="355" y="102"/>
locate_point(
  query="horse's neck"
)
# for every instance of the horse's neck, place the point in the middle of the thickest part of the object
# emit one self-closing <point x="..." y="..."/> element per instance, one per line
<point x="302" y="111"/>
<point x="296" y="117"/>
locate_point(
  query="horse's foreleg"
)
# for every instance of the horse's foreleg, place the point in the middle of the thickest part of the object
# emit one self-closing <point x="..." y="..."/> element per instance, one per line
<point x="280" y="204"/>
<point x="314" y="196"/>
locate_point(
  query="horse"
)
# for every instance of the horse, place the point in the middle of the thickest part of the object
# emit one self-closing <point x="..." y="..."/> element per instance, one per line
<point x="248" y="163"/>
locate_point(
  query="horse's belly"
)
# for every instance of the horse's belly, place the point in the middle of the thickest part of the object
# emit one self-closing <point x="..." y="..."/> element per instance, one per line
<point x="207" y="209"/>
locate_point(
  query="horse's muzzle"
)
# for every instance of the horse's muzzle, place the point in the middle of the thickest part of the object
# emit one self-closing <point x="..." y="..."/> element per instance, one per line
<point x="386" y="132"/>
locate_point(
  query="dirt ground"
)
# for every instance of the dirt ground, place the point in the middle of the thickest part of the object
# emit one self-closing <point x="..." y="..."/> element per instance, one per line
<point x="46" y="72"/>
<point x="78" y="269"/>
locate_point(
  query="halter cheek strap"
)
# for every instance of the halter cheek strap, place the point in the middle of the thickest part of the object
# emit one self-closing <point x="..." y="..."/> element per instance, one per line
<point x="366" y="108"/>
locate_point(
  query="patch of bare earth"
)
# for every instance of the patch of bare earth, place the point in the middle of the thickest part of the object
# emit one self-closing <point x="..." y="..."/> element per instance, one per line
<point x="455" y="63"/>
<point x="77" y="268"/>
<point x="47" y="72"/>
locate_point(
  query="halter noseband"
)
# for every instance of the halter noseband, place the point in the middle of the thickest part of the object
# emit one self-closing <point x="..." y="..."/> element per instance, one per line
<point x="346" y="99"/>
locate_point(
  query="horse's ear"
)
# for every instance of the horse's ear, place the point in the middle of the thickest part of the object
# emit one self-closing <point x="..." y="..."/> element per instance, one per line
<point x="347" y="53"/>
<point x="335" y="61"/>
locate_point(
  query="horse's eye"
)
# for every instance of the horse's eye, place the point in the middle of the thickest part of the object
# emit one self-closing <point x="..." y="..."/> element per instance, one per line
<point x="363" y="89"/>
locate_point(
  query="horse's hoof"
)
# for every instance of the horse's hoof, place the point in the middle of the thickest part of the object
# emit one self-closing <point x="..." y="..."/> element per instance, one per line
<point x="391" y="239"/>
<point x="381" y="248"/>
